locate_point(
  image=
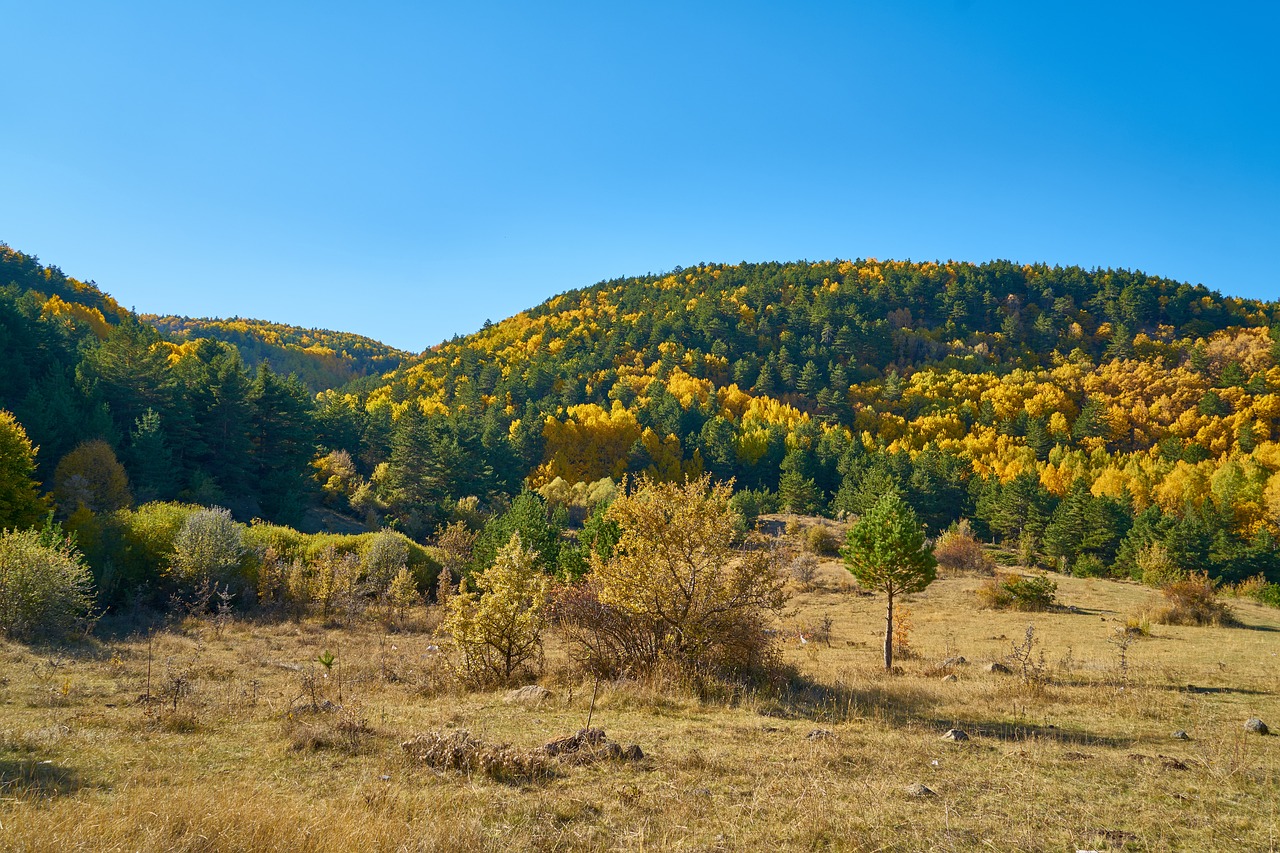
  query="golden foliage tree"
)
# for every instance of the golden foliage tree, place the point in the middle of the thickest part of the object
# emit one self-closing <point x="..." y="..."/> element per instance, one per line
<point x="91" y="476"/>
<point x="676" y="569"/>
<point x="20" y="502"/>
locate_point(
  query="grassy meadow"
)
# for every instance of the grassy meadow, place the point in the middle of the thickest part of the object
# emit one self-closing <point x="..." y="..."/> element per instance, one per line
<point x="249" y="743"/>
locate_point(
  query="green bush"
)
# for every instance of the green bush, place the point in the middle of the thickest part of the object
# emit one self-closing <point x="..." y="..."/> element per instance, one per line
<point x="209" y="547"/>
<point x="45" y="588"/>
<point x="821" y="540"/>
<point x="1009" y="591"/>
<point x="1089" y="566"/>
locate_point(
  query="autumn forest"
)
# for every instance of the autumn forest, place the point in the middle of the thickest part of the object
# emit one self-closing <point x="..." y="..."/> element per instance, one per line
<point x="1084" y="417"/>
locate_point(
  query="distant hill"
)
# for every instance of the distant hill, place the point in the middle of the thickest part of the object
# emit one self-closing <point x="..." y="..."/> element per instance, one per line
<point x="322" y="359"/>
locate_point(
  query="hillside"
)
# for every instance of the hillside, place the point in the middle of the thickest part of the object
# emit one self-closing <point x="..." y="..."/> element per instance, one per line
<point x="996" y="391"/>
<point x="321" y="358"/>
<point x="1088" y="416"/>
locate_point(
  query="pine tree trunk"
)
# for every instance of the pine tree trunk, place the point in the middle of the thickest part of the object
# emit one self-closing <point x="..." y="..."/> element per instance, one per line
<point x="888" y="636"/>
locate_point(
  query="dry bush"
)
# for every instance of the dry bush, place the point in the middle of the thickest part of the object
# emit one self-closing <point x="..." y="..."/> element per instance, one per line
<point x="1258" y="588"/>
<point x="460" y="752"/>
<point x="343" y="730"/>
<point x="690" y="595"/>
<point x="604" y="640"/>
<point x="957" y="551"/>
<point x="1012" y="591"/>
<point x="822" y="540"/>
<point x="804" y="568"/>
<point x="1193" y="600"/>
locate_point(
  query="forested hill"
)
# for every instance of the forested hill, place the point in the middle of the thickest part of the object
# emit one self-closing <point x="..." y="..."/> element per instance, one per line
<point x="321" y="358"/>
<point x="1092" y="416"/>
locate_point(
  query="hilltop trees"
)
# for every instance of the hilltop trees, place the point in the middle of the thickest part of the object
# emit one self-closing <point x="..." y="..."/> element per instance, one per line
<point x="885" y="551"/>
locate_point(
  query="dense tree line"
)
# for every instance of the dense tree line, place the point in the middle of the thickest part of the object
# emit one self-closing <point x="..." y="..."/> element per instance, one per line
<point x="1086" y="415"/>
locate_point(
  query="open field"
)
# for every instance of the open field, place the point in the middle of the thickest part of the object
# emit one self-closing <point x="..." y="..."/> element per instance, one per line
<point x="1078" y="754"/>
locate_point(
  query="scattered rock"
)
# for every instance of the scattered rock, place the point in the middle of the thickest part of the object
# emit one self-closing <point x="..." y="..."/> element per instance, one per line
<point x="1117" y="838"/>
<point x="820" y="734"/>
<point x="955" y="735"/>
<point x="587" y="746"/>
<point x="998" y="668"/>
<point x="915" y="789"/>
<point x="1168" y="762"/>
<point x="949" y="679"/>
<point x="1255" y="725"/>
<point x="1180" y="735"/>
<point x="530" y="694"/>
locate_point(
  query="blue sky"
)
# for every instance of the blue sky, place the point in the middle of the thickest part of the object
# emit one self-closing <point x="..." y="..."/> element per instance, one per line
<point x="407" y="170"/>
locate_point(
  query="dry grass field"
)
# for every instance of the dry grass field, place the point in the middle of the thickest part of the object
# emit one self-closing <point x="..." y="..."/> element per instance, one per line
<point x="1074" y="753"/>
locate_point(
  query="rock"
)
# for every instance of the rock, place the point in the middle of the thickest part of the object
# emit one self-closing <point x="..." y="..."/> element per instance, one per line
<point x="915" y="789"/>
<point x="587" y="746"/>
<point x="955" y="735"/>
<point x="1253" y="724"/>
<point x="582" y="739"/>
<point x="1180" y="735"/>
<point x="998" y="668"/>
<point x="531" y="694"/>
<point x="949" y="679"/>
<point x="820" y="734"/>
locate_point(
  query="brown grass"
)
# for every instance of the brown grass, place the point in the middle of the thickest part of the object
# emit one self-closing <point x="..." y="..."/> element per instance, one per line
<point x="85" y="765"/>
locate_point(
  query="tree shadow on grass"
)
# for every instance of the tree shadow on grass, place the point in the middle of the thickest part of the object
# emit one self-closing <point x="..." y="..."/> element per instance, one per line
<point x="30" y="777"/>
<point x="802" y="698"/>
<point x="903" y="704"/>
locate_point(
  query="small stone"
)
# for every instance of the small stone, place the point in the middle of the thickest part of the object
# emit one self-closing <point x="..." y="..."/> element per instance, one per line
<point x="915" y="789"/>
<point x="950" y="679"/>
<point x="955" y="735"/>
<point x="1180" y="735"/>
<point x="820" y="734"/>
<point x="999" y="668"/>
<point x="1253" y="724"/>
<point x="530" y="694"/>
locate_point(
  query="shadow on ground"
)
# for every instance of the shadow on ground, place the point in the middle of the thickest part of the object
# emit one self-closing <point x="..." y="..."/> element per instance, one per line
<point x="900" y="705"/>
<point x="35" y="778"/>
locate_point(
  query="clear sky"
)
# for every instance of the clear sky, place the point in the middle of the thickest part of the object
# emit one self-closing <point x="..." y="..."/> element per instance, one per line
<point x="407" y="170"/>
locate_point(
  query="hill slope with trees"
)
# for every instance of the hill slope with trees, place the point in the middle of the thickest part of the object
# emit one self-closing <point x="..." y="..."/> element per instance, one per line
<point x="1100" y="419"/>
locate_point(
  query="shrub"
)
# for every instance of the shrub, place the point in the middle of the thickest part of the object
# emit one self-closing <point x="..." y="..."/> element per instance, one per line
<point x="1089" y="566"/>
<point x="45" y="588"/>
<point x="207" y="548"/>
<point x="676" y="573"/>
<point x="1259" y="589"/>
<point x="804" y="568"/>
<point x="1155" y="568"/>
<point x="498" y="629"/>
<point x="821" y="540"/>
<point x="1012" y="591"/>
<point x="957" y="551"/>
<point x="1193" y="600"/>
<point x="386" y="555"/>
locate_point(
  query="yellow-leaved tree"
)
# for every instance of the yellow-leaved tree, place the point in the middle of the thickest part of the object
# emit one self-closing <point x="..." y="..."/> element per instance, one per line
<point x="498" y="626"/>
<point x="676" y="572"/>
